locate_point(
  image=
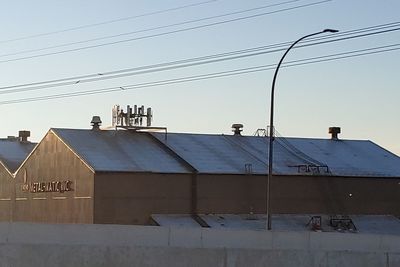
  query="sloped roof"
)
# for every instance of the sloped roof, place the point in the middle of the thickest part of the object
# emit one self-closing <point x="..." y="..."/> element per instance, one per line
<point x="292" y="156"/>
<point x="14" y="152"/>
<point x="351" y="157"/>
<point x="120" y="151"/>
<point x="127" y="151"/>
<point x="213" y="153"/>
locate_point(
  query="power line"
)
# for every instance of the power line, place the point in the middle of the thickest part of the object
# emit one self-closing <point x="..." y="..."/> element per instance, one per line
<point x="188" y="62"/>
<point x="164" y="33"/>
<point x="107" y="22"/>
<point x="146" y="30"/>
<point x="313" y="60"/>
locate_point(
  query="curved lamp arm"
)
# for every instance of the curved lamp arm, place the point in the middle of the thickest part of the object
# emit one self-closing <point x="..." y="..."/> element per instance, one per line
<point x="271" y="122"/>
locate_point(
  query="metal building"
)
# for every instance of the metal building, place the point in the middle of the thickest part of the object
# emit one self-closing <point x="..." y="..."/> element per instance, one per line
<point x="13" y="151"/>
<point x="123" y="177"/>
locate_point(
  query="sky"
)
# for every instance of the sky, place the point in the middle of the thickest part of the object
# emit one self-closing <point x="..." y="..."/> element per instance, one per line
<point x="66" y="39"/>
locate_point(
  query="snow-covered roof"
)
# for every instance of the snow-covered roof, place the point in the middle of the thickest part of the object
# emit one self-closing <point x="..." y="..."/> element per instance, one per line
<point x="128" y="151"/>
<point x="292" y="156"/>
<point x="213" y="153"/>
<point x="120" y="151"/>
<point x="350" y="157"/>
<point x="13" y="153"/>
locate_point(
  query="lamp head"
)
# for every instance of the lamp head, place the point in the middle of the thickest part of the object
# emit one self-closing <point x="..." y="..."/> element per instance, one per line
<point x="330" y="30"/>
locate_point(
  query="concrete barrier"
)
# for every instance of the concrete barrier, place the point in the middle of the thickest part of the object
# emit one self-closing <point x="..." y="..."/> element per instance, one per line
<point x="27" y="244"/>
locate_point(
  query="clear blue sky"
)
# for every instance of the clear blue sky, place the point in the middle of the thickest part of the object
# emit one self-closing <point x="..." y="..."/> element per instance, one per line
<point x="359" y="94"/>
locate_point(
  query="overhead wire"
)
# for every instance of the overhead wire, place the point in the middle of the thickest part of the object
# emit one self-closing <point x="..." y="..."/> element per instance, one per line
<point x="148" y="29"/>
<point x="107" y="22"/>
<point x="187" y="62"/>
<point x="313" y="60"/>
<point x="164" y="33"/>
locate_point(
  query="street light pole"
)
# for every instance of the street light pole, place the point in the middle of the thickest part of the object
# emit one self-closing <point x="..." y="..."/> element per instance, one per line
<point x="271" y="125"/>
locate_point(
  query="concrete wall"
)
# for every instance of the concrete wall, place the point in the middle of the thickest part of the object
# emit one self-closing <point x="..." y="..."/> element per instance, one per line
<point x="23" y="244"/>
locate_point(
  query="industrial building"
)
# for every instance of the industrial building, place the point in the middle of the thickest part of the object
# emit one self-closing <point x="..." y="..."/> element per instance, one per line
<point x="123" y="176"/>
<point x="13" y="151"/>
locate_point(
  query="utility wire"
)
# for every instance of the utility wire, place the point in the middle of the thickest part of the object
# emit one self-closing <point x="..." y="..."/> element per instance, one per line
<point x="165" y="33"/>
<point x="107" y="22"/>
<point x="261" y="48"/>
<point x="146" y="30"/>
<point x="175" y="64"/>
<point x="313" y="60"/>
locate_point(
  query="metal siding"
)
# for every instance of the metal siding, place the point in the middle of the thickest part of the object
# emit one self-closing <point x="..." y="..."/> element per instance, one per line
<point x="53" y="161"/>
<point x="131" y="198"/>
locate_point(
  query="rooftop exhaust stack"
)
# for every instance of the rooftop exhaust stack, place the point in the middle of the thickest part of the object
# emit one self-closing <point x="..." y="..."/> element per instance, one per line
<point x="23" y="135"/>
<point x="96" y="122"/>
<point x="334" y="131"/>
<point x="237" y="128"/>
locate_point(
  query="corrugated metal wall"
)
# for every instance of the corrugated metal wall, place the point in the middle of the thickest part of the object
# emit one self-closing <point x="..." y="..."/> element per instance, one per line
<point x="53" y="162"/>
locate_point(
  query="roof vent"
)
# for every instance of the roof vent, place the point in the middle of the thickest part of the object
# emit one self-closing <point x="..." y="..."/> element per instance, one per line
<point x="334" y="131"/>
<point x="23" y="135"/>
<point x="237" y="128"/>
<point x="96" y="122"/>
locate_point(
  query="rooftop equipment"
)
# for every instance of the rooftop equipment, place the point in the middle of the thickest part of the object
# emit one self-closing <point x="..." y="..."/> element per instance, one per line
<point x="334" y="131"/>
<point x="342" y="223"/>
<point x="23" y="135"/>
<point x="135" y="119"/>
<point x="96" y="122"/>
<point x="237" y="128"/>
<point x="132" y="117"/>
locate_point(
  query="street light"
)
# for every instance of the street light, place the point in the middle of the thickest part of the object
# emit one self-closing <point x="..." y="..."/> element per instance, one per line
<point x="271" y="124"/>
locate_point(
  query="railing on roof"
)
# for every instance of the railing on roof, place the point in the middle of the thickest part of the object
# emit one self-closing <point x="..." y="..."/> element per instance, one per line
<point x="311" y="165"/>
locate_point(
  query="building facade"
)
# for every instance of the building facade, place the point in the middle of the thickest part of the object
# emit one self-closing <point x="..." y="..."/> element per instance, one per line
<point x="123" y="177"/>
<point x="13" y="151"/>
